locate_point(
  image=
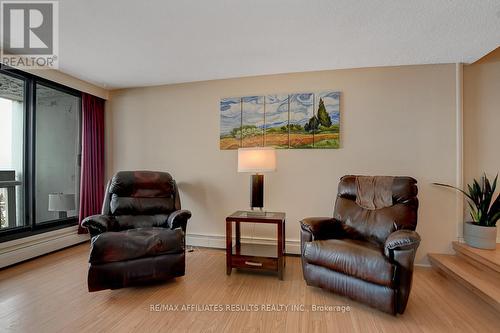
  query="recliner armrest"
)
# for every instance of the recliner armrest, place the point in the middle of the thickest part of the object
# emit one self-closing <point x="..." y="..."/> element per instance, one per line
<point x="97" y="224"/>
<point x="178" y="219"/>
<point x="400" y="247"/>
<point x="322" y="227"/>
<point x="401" y="240"/>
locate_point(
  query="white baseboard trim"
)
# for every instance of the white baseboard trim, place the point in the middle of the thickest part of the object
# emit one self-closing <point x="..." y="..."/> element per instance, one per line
<point x="219" y="242"/>
<point x="22" y="249"/>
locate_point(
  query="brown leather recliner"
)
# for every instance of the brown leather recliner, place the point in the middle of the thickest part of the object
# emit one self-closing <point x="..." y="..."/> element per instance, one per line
<point x="140" y="235"/>
<point x="365" y="252"/>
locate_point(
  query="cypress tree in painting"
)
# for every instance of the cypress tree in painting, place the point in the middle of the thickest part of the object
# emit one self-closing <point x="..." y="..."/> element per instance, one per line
<point x="323" y="116"/>
<point x="312" y="125"/>
<point x="323" y="119"/>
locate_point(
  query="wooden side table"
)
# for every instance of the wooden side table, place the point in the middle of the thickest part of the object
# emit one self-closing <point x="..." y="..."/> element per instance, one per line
<point x="255" y="256"/>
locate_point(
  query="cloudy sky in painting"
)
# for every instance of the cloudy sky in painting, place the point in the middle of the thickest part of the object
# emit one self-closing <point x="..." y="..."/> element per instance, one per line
<point x="301" y="108"/>
<point x="253" y="111"/>
<point x="230" y="114"/>
<point x="276" y="110"/>
<point x="250" y="110"/>
<point x="332" y="104"/>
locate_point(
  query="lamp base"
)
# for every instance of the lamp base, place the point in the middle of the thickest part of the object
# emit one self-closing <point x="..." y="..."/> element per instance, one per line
<point x="257" y="191"/>
<point x="255" y="213"/>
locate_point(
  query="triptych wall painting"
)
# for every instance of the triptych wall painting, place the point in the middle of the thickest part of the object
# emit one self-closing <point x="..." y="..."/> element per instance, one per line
<point x="295" y="121"/>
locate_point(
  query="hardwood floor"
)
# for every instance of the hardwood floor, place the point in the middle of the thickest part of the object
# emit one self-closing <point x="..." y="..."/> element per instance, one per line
<point x="49" y="294"/>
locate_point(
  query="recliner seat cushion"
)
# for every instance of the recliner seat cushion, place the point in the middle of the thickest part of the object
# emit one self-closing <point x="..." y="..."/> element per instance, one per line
<point x="355" y="258"/>
<point x="135" y="243"/>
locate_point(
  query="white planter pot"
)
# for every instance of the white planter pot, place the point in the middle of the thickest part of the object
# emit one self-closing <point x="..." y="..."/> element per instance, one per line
<point x="479" y="236"/>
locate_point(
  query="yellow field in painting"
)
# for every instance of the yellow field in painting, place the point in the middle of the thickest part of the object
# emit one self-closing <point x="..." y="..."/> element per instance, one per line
<point x="252" y="141"/>
<point x="276" y="140"/>
<point x="229" y="143"/>
<point x="280" y="140"/>
<point x="306" y="141"/>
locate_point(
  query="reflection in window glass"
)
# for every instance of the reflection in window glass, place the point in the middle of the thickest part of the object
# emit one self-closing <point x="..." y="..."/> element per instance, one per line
<point x="58" y="148"/>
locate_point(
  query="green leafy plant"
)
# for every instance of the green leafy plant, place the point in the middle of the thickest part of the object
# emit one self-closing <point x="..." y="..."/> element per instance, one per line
<point x="483" y="209"/>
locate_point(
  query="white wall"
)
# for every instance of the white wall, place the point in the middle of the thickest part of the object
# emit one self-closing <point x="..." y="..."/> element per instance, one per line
<point x="395" y="121"/>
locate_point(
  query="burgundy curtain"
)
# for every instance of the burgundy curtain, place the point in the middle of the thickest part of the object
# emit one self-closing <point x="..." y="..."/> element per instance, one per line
<point x="92" y="177"/>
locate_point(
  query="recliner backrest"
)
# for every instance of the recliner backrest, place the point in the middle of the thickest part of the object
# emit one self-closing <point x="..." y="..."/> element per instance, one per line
<point x="376" y="225"/>
<point x="141" y="198"/>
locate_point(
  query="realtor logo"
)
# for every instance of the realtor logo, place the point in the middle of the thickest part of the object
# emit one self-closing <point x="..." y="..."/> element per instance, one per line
<point x="29" y="33"/>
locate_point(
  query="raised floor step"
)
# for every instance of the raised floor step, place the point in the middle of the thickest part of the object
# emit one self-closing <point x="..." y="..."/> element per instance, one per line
<point x="490" y="258"/>
<point x="484" y="282"/>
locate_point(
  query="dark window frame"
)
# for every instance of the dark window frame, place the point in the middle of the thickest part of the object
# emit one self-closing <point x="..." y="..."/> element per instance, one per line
<point x="30" y="227"/>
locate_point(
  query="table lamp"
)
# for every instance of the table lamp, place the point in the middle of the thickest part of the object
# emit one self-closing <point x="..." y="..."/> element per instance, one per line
<point x="62" y="203"/>
<point x="257" y="160"/>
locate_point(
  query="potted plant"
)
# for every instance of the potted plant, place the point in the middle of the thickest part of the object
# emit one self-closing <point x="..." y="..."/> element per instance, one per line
<point x="481" y="232"/>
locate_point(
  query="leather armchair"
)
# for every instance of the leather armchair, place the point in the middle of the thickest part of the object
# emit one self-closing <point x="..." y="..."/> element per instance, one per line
<point x="364" y="254"/>
<point x="140" y="235"/>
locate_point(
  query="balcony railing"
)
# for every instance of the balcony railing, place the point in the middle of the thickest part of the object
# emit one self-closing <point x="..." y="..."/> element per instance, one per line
<point x="8" y="208"/>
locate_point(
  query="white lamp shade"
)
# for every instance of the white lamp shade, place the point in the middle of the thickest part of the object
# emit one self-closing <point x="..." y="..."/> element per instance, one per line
<point x="59" y="202"/>
<point x="259" y="159"/>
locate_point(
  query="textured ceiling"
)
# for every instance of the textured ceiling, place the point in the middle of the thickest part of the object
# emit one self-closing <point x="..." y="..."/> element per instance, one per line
<point x="125" y="43"/>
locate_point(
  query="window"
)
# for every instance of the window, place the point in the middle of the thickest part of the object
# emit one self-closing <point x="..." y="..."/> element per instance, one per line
<point x="40" y="150"/>
<point x="12" y="115"/>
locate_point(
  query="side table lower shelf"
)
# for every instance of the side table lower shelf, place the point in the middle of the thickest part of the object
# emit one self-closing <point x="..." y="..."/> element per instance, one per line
<point x="255" y="256"/>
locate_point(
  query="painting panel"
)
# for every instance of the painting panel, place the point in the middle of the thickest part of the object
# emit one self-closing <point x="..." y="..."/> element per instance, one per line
<point x="252" y="122"/>
<point x="301" y="115"/>
<point x="327" y="113"/>
<point x="230" y="123"/>
<point x="276" y="121"/>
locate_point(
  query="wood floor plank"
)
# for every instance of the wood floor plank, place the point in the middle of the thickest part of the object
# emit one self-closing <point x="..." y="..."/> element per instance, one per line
<point x="49" y="294"/>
